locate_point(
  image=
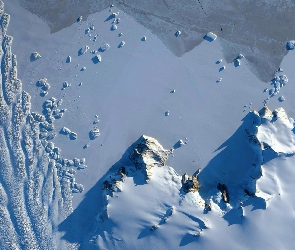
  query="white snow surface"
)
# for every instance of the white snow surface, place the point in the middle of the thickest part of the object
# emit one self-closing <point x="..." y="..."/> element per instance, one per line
<point x="251" y="152"/>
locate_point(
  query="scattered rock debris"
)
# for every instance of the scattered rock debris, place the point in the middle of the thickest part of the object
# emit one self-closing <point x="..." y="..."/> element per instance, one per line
<point x="120" y="34"/>
<point x="104" y="47"/>
<point x="35" y="56"/>
<point x="282" y="98"/>
<point x="237" y="62"/>
<point x="278" y="82"/>
<point x="210" y="37"/>
<point x="121" y="44"/>
<point x="65" y="85"/>
<point x="179" y="144"/>
<point x="66" y="131"/>
<point x="44" y="85"/>
<point x="73" y="136"/>
<point x="98" y="57"/>
<point x="114" y="27"/>
<point x="219" y="80"/>
<point x="69" y="59"/>
<point x="115" y="14"/>
<point x="222" y="68"/>
<point x="178" y="33"/>
<point x="83" y="50"/>
<point x="154" y="227"/>
<point x="290" y="45"/>
<point x="240" y="56"/>
<point x="94" y="133"/>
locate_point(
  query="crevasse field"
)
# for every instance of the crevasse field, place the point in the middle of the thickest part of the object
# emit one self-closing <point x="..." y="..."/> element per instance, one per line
<point x="147" y="124"/>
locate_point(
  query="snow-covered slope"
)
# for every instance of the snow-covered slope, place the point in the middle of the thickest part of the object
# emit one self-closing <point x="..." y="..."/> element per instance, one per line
<point x="170" y="211"/>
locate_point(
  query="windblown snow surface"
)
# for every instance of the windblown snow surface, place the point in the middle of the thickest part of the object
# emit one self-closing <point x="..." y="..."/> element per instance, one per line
<point x="106" y="91"/>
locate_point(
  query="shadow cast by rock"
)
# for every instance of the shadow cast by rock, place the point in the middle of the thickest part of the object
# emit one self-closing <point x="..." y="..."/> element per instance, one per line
<point x="187" y="239"/>
<point x="82" y="221"/>
<point x="234" y="216"/>
<point x="95" y="59"/>
<point x="234" y="166"/>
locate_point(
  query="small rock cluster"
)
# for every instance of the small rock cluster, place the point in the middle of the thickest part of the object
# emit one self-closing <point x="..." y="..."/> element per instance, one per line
<point x="70" y="134"/>
<point x="94" y="133"/>
<point x="44" y="85"/>
<point x="35" y="56"/>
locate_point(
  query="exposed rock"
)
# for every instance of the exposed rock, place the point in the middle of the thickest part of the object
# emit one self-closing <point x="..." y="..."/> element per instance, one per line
<point x="147" y="154"/>
<point x="113" y="182"/>
<point x="223" y="189"/>
<point x="190" y="183"/>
